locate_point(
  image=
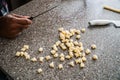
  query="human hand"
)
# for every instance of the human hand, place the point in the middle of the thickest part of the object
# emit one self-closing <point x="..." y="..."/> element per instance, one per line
<point x="12" y="24"/>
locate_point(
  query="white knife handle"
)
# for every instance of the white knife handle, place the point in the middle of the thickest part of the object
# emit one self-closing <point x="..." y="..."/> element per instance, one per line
<point x="99" y="22"/>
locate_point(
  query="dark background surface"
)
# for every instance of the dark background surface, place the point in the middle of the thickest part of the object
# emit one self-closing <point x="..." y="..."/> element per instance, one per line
<point x="43" y="33"/>
<point x="13" y="4"/>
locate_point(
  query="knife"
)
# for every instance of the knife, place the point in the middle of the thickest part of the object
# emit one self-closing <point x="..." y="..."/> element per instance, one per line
<point x="31" y="18"/>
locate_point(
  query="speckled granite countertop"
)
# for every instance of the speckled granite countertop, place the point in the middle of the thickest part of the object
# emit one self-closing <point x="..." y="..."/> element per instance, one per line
<point x="43" y="33"/>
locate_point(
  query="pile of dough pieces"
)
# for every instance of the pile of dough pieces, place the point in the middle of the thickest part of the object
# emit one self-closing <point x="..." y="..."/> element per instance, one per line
<point x="76" y="54"/>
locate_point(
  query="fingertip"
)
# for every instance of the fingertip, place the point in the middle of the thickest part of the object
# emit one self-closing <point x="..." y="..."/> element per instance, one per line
<point x="29" y="21"/>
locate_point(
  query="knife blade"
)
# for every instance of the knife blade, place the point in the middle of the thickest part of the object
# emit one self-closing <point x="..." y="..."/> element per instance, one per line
<point x="31" y="18"/>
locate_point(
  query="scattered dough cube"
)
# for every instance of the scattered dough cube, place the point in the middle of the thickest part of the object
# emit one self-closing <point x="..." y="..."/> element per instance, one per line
<point x="81" y="49"/>
<point x="62" y="36"/>
<point x="78" y="37"/>
<point x="55" y="48"/>
<point x="63" y="47"/>
<point x="51" y="65"/>
<point x="71" y="54"/>
<point x="72" y="64"/>
<point x="68" y="44"/>
<point x="71" y="40"/>
<point x="80" y="44"/>
<point x="60" y="66"/>
<point x="83" y="30"/>
<point x="93" y="46"/>
<point x="82" y="65"/>
<point x="76" y="43"/>
<point x="72" y="31"/>
<point x="84" y="59"/>
<point x="78" y="61"/>
<point x="83" y="55"/>
<point x="21" y="53"/>
<point x="57" y="43"/>
<point x="62" y="59"/>
<point x="23" y="49"/>
<point x="26" y="46"/>
<point x="55" y="55"/>
<point x="25" y="54"/>
<point x="47" y="57"/>
<point x="33" y="59"/>
<point x="41" y="59"/>
<point x="95" y="57"/>
<point x="87" y="51"/>
<point x="53" y="52"/>
<point x="77" y="31"/>
<point x="67" y="57"/>
<point x="62" y="55"/>
<point x="77" y="55"/>
<point x="61" y="29"/>
<point x="40" y="49"/>
<point x="39" y="70"/>
<point x="18" y="54"/>
<point x="27" y="57"/>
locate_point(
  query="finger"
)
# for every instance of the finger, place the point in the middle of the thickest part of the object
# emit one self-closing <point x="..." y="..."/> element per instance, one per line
<point x="18" y="26"/>
<point x="20" y="16"/>
<point x="23" y="21"/>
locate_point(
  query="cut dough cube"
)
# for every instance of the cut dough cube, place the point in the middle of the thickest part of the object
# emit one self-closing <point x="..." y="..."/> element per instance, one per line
<point x="71" y="54"/>
<point x="40" y="49"/>
<point x="55" y="55"/>
<point x="71" y="40"/>
<point x="78" y="37"/>
<point x="95" y="57"/>
<point x="87" y="51"/>
<point x="55" y="48"/>
<point x="78" y="61"/>
<point x="93" y="46"/>
<point x="80" y="44"/>
<point x="76" y="43"/>
<point x="21" y="53"/>
<point x="51" y="65"/>
<point x="77" y="31"/>
<point x="77" y="55"/>
<point x="53" y="52"/>
<point x="57" y="43"/>
<point x="72" y="64"/>
<point x="68" y="44"/>
<point x="18" y="54"/>
<point x="83" y="55"/>
<point x="83" y="30"/>
<point x="33" y="59"/>
<point x="62" y="55"/>
<point x="27" y="56"/>
<point x="62" y="59"/>
<point x="23" y="49"/>
<point x="81" y="49"/>
<point x="47" y="57"/>
<point x="82" y="65"/>
<point x="61" y="29"/>
<point x="41" y="59"/>
<point x="62" y="36"/>
<point x="67" y="57"/>
<point x="63" y="47"/>
<point x="60" y="66"/>
<point x="26" y="46"/>
<point x="84" y="59"/>
<point x="39" y="70"/>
